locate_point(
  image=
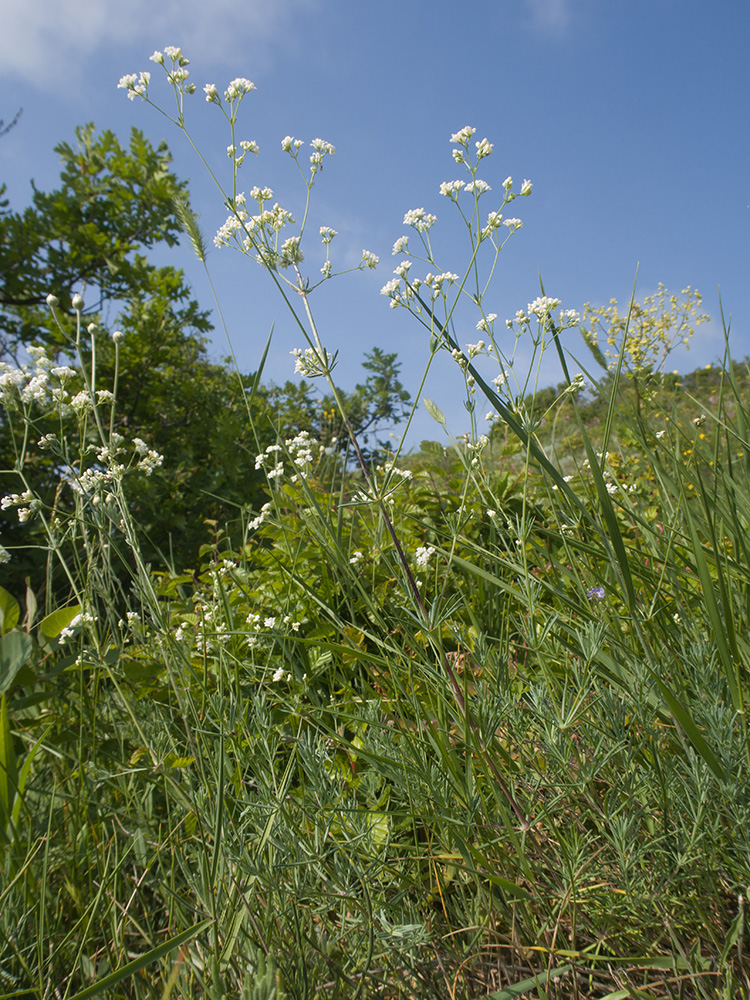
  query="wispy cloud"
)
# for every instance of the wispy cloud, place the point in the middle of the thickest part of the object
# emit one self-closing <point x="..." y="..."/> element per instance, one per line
<point x="48" y="42"/>
<point x="549" y="15"/>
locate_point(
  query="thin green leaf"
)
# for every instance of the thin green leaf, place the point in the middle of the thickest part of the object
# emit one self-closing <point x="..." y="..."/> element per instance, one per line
<point x="141" y="963"/>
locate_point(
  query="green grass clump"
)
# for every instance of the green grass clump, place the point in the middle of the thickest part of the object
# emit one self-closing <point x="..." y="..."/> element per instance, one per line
<point x="290" y="771"/>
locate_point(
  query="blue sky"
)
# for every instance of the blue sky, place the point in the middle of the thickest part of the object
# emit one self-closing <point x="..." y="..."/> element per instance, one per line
<point x="630" y="119"/>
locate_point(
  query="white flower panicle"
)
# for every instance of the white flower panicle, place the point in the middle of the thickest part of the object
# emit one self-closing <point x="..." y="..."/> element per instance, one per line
<point x="477" y="186"/>
<point x="291" y="145"/>
<point x="543" y="306"/>
<point x="303" y="451"/>
<point x="463" y="136"/>
<point x="450" y="189"/>
<point x="310" y="363"/>
<point x="484" y="148"/>
<point x="135" y="84"/>
<point x="435" y="282"/>
<point x="401" y="245"/>
<point x="238" y="88"/>
<point x="321" y="149"/>
<point x="290" y="252"/>
<point x="420" y="220"/>
<point x="423" y="555"/>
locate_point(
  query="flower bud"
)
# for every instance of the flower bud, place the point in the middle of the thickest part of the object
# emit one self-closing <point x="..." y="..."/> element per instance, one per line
<point x="52" y="301"/>
<point x="77" y="302"/>
<point x="118" y="336"/>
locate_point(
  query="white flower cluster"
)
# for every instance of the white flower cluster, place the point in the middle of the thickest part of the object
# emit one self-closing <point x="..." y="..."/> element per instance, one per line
<point x="302" y="450"/>
<point x="485" y="323"/>
<point x="149" y="459"/>
<point x="543" y="308"/>
<point x="321" y="149"/>
<point x="234" y="92"/>
<point x="423" y="555"/>
<point x="135" y="84"/>
<point x="435" y="282"/>
<point x="40" y="383"/>
<point x="311" y="363"/>
<point x="479" y="348"/>
<point x="274" y="624"/>
<point x="420" y="220"/>
<point x="25" y="503"/>
<point x="257" y="521"/>
<point x="257" y="235"/>
<point x="84" y="618"/>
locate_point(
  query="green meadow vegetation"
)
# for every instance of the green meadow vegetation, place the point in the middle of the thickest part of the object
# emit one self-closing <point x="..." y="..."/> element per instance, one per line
<point x="290" y="712"/>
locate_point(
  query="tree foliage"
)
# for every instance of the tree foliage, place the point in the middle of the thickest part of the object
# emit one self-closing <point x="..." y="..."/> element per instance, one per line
<point x="209" y="422"/>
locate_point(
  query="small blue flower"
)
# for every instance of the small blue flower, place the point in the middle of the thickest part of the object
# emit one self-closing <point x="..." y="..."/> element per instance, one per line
<point x="595" y="594"/>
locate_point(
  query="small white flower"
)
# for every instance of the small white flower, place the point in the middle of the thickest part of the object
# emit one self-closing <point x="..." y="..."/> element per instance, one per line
<point x="485" y="323"/>
<point x="401" y="245"/>
<point x="463" y="135"/>
<point x="419" y="219"/>
<point x="422" y="555"/>
<point x="478" y="186"/>
<point x="369" y="260"/>
<point x="526" y="188"/>
<point x="484" y="148"/>
<point x="450" y="189"/>
<point x="542" y="307"/>
<point x="238" y="88"/>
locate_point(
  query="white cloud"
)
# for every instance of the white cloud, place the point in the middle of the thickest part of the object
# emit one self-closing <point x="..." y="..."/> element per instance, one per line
<point x="550" y="15"/>
<point x="48" y="42"/>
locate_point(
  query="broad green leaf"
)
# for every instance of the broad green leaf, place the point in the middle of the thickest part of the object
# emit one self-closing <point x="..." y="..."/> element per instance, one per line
<point x="15" y="650"/>
<point x="54" y="623"/>
<point x="9" y="611"/>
